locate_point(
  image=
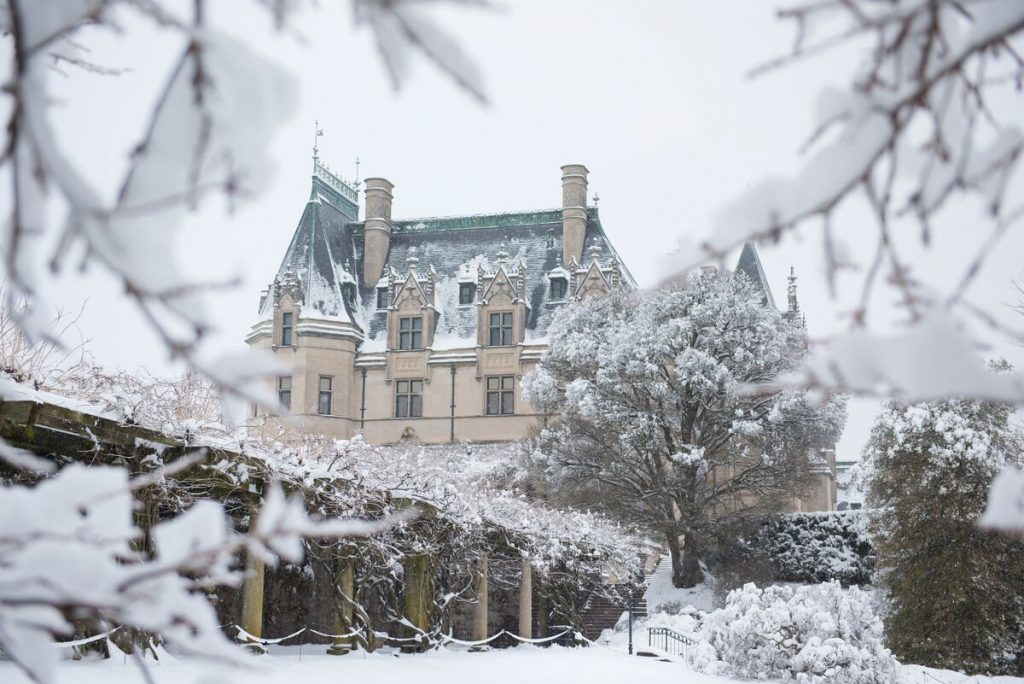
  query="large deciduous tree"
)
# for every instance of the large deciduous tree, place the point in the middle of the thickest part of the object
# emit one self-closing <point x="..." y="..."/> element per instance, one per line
<point x="649" y="413"/>
<point x="956" y="592"/>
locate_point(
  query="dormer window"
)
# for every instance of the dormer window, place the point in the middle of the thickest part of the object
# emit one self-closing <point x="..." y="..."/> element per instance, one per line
<point x="286" y="328"/>
<point x="467" y="292"/>
<point x="500" y="329"/>
<point x="382" y="297"/>
<point x="410" y="332"/>
<point x="559" y="286"/>
<point x="349" y="292"/>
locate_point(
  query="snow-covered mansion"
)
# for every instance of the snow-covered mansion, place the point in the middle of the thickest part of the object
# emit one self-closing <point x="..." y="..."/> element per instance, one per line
<point x="421" y="330"/>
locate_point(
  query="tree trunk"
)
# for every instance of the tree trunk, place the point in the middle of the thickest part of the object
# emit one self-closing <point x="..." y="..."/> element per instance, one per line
<point x="686" y="570"/>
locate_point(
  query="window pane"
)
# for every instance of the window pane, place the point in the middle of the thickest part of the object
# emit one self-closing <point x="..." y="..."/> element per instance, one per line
<point x="416" y="405"/>
<point x="492" y="403"/>
<point x="284" y="382"/>
<point x="506" y="382"/>
<point x="417" y="324"/>
<point x="284" y="398"/>
<point x="401" y="406"/>
<point x="403" y="323"/>
<point x="382" y="297"/>
<point x="325" y="383"/>
<point x="493" y="383"/>
<point x="506" y="403"/>
<point x="417" y="386"/>
<point x="495" y="319"/>
<point x="403" y="386"/>
<point x="506" y="319"/>
<point x="286" y="319"/>
<point x="417" y="340"/>
<point x="325" y="404"/>
<point x="495" y="336"/>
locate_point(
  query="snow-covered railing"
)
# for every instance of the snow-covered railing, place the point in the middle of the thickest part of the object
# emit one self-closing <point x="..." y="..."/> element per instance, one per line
<point x="669" y="640"/>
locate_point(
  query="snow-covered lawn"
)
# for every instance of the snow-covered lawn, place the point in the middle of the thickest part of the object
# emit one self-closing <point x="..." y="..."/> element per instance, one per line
<point x="447" y="666"/>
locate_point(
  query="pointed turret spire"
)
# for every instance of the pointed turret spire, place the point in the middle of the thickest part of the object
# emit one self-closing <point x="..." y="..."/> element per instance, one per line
<point x="317" y="132"/>
<point x="793" y="310"/>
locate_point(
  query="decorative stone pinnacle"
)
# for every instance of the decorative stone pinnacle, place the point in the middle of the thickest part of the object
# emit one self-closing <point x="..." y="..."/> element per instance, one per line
<point x="413" y="260"/>
<point x="502" y="254"/>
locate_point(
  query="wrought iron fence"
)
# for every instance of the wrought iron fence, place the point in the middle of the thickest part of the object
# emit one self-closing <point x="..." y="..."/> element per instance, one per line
<point x="668" y="640"/>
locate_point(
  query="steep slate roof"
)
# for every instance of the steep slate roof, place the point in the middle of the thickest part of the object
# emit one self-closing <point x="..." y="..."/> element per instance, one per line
<point x="455" y="245"/>
<point x="326" y="254"/>
<point x="750" y="264"/>
<point x="322" y="252"/>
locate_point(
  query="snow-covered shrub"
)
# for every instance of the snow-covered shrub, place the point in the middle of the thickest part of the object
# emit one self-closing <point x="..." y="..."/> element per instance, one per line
<point x="818" y="547"/>
<point x="814" y="634"/>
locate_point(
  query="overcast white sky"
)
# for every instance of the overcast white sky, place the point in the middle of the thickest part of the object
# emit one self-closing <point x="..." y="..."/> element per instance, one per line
<point x="652" y="96"/>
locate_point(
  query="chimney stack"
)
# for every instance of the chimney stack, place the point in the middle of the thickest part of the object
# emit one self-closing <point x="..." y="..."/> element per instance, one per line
<point x="574" y="211"/>
<point x="376" y="228"/>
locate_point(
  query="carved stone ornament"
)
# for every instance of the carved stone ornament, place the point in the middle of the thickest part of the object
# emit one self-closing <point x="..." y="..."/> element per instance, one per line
<point x="290" y="284"/>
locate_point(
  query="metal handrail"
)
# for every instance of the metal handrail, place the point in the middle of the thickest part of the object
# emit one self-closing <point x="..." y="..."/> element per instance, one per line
<point x="668" y="640"/>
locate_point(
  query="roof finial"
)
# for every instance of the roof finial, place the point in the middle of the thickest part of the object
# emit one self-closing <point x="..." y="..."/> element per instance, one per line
<point x="597" y="198"/>
<point x="794" y="306"/>
<point x="357" y="174"/>
<point x="594" y="251"/>
<point x="317" y="132"/>
<point x="502" y="253"/>
<point x="412" y="261"/>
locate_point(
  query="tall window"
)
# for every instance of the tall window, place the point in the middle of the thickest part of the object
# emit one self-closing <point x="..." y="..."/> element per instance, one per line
<point x="284" y="391"/>
<point x="500" y="395"/>
<point x="466" y="293"/>
<point x="286" y="329"/>
<point x="500" y="325"/>
<point x="382" y="297"/>
<point x="349" y="291"/>
<point x="323" y="406"/>
<point x="558" y="288"/>
<point x="410" y="332"/>
<point x="409" y="399"/>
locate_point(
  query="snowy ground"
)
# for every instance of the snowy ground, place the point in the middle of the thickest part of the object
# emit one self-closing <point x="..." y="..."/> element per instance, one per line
<point x="448" y="666"/>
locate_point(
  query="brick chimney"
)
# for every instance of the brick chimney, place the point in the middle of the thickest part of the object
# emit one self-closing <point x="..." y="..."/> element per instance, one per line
<point x="376" y="228"/>
<point x="574" y="211"/>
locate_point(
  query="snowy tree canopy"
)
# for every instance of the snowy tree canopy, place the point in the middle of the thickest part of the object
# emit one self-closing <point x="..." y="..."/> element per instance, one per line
<point x="647" y="416"/>
<point x="954" y="590"/>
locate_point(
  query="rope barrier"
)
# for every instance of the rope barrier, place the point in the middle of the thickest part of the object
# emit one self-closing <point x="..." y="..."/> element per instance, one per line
<point x="335" y="636"/>
<point x="250" y="638"/>
<point x="423" y="637"/>
<point x="86" y="640"/>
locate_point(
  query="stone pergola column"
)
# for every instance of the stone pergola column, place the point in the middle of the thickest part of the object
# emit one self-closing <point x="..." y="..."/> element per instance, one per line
<point x="418" y="591"/>
<point x="252" y="595"/>
<point x="526" y="601"/>
<point x="480" y="609"/>
<point x="345" y="579"/>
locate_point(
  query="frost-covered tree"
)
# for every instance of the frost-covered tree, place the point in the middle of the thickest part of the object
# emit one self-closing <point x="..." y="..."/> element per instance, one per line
<point x="816" y="634"/>
<point x="646" y="417"/>
<point x="956" y="592"/>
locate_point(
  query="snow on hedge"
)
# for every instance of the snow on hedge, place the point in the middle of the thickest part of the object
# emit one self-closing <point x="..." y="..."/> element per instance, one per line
<point x="818" y="547"/>
<point x="817" y="634"/>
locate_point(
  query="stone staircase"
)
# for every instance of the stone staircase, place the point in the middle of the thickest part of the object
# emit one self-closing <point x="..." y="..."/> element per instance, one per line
<point x="601" y="613"/>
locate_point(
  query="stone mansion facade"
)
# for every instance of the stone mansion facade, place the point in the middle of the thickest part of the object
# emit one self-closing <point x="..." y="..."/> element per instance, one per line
<point x="421" y="330"/>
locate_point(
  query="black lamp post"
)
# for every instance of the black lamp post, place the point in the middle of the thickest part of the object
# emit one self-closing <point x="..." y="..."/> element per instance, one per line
<point x="629" y="610"/>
